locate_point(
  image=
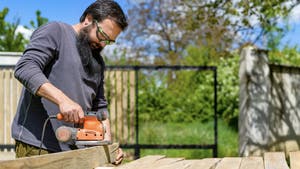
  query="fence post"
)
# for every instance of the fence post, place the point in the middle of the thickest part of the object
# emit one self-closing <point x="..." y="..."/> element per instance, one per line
<point x="254" y="96"/>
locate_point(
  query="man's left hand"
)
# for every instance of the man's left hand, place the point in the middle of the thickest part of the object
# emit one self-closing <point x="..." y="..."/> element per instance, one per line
<point x="120" y="157"/>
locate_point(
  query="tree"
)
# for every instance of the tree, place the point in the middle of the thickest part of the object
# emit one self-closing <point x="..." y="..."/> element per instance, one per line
<point x="10" y="39"/>
<point x="39" y="20"/>
<point x="161" y="30"/>
<point x="198" y="32"/>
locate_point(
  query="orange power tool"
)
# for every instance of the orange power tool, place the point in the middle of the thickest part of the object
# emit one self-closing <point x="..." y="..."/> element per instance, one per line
<point x="90" y="133"/>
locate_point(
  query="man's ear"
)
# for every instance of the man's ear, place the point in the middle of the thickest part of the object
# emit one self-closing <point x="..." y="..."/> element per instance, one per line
<point x="88" y="20"/>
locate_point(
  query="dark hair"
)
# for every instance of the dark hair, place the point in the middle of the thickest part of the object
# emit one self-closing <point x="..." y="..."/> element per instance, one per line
<point x="104" y="9"/>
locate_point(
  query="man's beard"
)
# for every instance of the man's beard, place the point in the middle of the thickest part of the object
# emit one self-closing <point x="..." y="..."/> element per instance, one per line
<point x="90" y="58"/>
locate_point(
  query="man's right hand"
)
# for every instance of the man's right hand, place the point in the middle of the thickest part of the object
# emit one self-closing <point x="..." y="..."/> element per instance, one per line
<point x="71" y="111"/>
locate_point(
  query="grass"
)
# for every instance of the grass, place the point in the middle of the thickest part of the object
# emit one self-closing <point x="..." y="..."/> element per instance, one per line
<point x="188" y="133"/>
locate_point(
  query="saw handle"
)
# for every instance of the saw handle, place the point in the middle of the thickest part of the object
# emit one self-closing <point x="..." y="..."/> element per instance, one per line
<point x="59" y="116"/>
<point x="100" y="115"/>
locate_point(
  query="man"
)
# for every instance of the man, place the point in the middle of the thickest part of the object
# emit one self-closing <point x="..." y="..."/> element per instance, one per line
<point x="62" y="71"/>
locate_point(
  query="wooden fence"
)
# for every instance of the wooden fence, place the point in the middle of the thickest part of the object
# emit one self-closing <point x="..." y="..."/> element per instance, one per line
<point x="120" y="92"/>
<point x="10" y="90"/>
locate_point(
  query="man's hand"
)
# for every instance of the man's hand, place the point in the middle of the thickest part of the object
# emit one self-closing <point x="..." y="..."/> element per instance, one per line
<point x="71" y="111"/>
<point x="120" y="157"/>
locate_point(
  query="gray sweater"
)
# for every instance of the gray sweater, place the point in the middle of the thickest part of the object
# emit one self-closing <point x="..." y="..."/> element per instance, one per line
<point x="52" y="56"/>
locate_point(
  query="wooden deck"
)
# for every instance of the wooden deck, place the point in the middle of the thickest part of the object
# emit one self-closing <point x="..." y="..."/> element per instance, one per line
<point x="100" y="158"/>
<point x="270" y="160"/>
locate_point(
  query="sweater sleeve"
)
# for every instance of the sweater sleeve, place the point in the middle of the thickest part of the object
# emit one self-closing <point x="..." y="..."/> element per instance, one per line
<point x="41" y="50"/>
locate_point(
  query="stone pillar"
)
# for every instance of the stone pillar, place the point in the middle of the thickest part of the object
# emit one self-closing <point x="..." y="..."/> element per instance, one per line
<point x="254" y="102"/>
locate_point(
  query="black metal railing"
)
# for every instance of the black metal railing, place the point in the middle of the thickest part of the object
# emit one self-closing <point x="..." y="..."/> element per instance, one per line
<point x="137" y="146"/>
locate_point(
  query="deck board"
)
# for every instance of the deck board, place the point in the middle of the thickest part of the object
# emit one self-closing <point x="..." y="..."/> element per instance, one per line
<point x="252" y="163"/>
<point x="229" y="163"/>
<point x="207" y="163"/>
<point x="141" y="163"/>
<point x="164" y="163"/>
<point x="275" y="160"/>
<point x="176" y="164"/>
<point x="295" y="160"/>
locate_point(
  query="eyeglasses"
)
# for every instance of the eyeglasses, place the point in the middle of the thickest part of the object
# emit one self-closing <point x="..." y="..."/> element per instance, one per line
<point x="107" y="40"/>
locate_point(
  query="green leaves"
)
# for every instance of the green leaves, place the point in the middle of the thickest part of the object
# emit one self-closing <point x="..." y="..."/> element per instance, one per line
<point x="188" y="96"/>
<point x="39" y="20"/>
<point x="287" y="56"/>
<point x="10" y="39"/>
<point x="164" y="28"/>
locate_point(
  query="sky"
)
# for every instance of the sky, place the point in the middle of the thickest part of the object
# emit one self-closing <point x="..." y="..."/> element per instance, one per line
<point x="69" y="11"/>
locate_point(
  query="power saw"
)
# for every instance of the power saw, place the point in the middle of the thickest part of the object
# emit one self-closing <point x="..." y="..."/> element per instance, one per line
<point x="90" y="133"/>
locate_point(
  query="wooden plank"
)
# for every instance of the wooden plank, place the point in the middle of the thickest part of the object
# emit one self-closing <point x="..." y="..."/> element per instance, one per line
<point x="141" y="163"/>
<point x="294" y="160"/>
<point x="275" y="160"/>
<point x="125" y="110"/>
<point x="10" y="109"/>
<point x="119" y="110"/>
<point x="229" y="163"/>
<point x="252" y="163"/>
<point x="163" y="163"/>
<point x="207" y="163"/>
<point x="14" y="100"/>
<point x="175" y="164"/>
<point x="113" y="111"/>
<point x="83" y="158"/>
<point x="15" y="93"/>
<point x="6" y="106"/>
<point x="2" y="106"/>
<point x="132" y="106"/>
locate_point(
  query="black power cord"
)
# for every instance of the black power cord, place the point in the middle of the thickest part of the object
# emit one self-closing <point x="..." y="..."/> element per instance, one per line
<point x="43" y="132"/>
